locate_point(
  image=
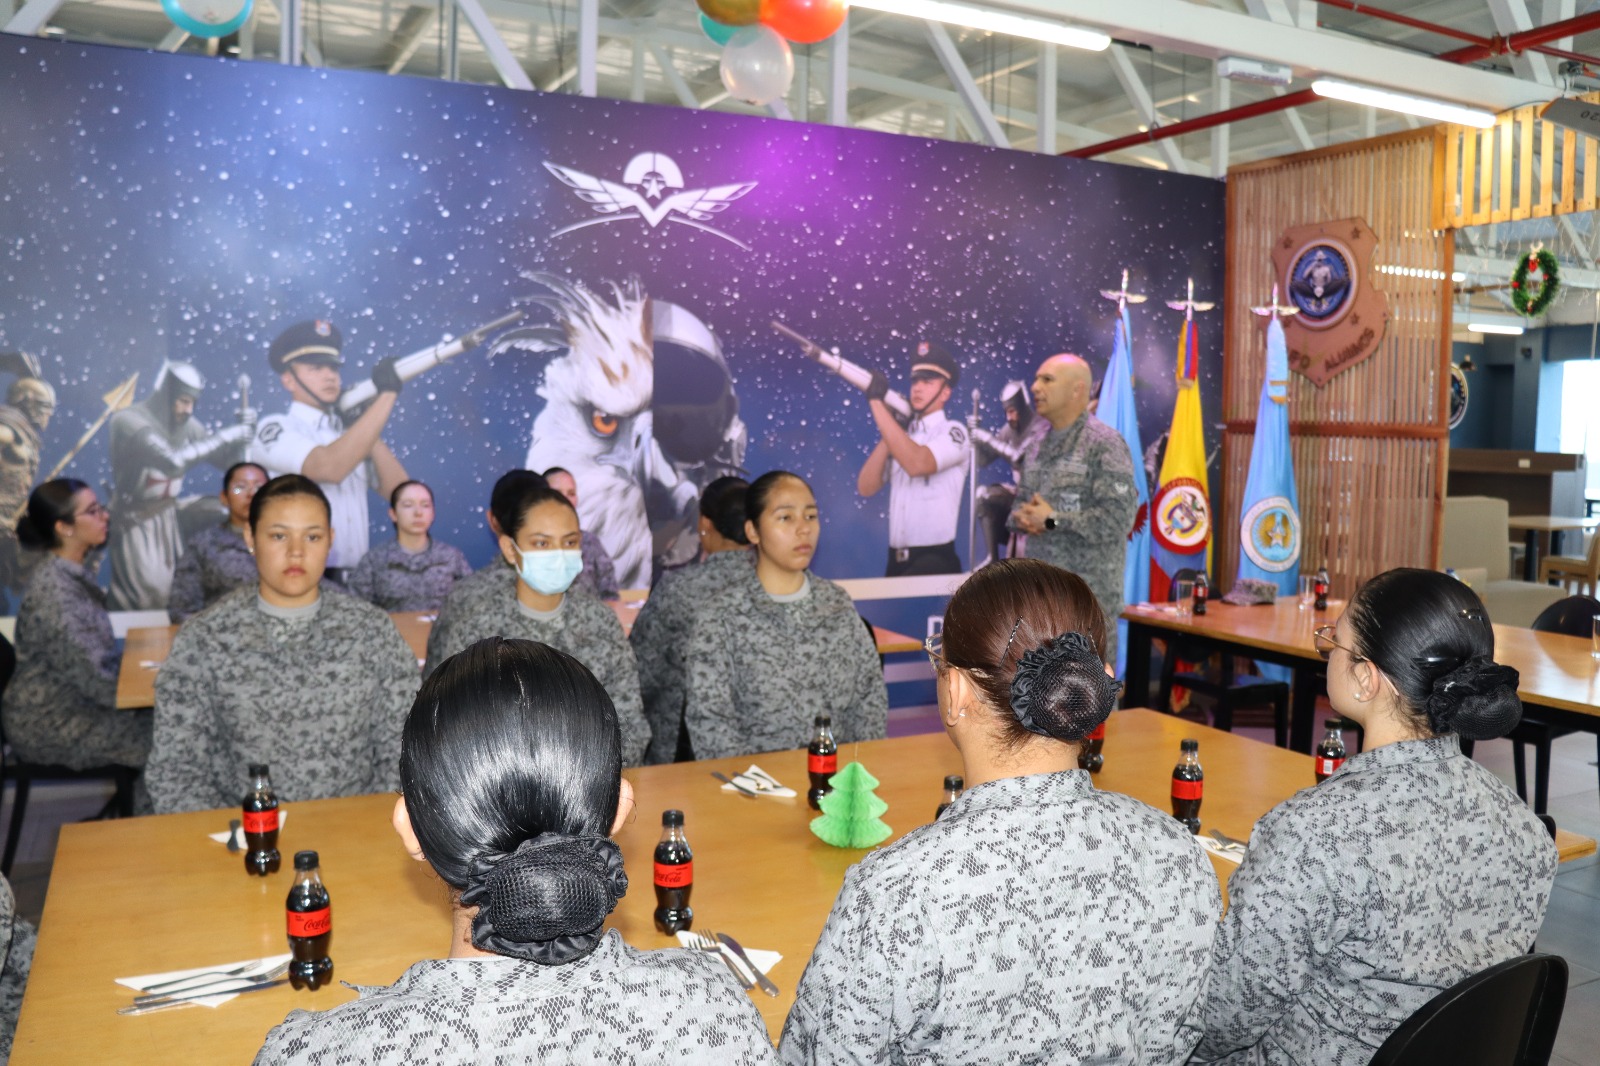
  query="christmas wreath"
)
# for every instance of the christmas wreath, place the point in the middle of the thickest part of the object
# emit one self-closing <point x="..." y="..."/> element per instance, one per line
<point x="1532" y="303"/>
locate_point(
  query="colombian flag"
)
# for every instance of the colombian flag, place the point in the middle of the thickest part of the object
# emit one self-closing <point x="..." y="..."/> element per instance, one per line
<point x="1180" y="514"/>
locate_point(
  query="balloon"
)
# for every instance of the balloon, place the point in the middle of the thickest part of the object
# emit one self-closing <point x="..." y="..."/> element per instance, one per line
<point x="757" y="65"/>
<point x="804" y="21"/>
<point x="717" y="31"/>
<point x="732" y="12"/>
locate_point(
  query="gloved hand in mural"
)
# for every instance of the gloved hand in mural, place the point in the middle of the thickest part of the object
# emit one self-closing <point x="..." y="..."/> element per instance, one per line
<point x="924" y="465"/>
<point x="154" y="444"/>
<point x="1017" y="442"/>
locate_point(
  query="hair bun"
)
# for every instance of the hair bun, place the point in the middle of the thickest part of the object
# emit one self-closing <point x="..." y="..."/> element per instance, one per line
<point x="1477" y="700"/>
<point x="547" y="900"/>
<point x="1061" y="688"/>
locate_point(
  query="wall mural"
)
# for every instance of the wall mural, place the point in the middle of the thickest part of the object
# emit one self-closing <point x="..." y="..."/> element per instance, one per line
<point x="563" y="281"/>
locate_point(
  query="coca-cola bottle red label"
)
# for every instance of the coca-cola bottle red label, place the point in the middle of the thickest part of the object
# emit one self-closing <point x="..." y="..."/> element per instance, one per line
<point x="310" y="923"/>
<point x="1188" y="790"/>
<point x="674" y="875"/>
<point x="1098" y="733"/>
<point x="261" y="821"/>
<point x="823" y="764"/>
<point x="1326" y="766"/>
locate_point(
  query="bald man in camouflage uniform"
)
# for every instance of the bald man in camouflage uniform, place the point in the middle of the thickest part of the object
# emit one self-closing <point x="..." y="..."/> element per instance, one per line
<point x="1076" y="500"/>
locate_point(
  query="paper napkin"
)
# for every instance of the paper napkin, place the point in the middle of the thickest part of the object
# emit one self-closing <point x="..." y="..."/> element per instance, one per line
<point x="1233" y="855"/>
<point x="257" y="968"/>
<point x="764" y="959"/>
<point x="759" y="781"/>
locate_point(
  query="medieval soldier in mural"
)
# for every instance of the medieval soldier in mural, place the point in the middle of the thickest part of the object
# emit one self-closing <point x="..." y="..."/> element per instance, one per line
<point x="154" y="443"/>
<point x="1017" y="442"/>
<point x="30" y="401"/>
<point x="311" y="438"/>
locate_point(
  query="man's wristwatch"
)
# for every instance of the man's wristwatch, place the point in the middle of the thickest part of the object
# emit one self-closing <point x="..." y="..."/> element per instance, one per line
<point x="1051" y="523"/>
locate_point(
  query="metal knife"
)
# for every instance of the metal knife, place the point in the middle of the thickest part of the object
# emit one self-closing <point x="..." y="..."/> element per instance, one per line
<point x="761" y="979"/>
<point x="179" y="1000"/>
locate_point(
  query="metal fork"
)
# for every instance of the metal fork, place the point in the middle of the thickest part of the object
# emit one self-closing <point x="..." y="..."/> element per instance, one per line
<point x="224" y="984"/>
<point x="1227" y="843"/>
<point x="702" y="943"/>
<point x="203" y="977"/>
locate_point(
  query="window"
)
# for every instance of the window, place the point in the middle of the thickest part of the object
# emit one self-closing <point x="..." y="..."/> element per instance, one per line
<point x="1580" y="415"/>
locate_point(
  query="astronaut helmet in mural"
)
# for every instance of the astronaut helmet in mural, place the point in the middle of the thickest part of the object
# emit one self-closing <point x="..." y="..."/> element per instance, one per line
<point x="934" y="373"/>
<point x="1018" y="403"/>
<point x="177" y="389"/>
<point x="35" y="398"/>
<point x="313" y="345"/>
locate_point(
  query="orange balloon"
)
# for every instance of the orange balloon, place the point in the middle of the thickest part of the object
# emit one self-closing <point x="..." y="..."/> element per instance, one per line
<point x="804" y="21"/>
<point x="732" y="12"/>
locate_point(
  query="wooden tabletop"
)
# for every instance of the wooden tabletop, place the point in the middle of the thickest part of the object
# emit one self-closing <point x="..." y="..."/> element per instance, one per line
<point x="1551" y="523"/>
<point x="1557" y="671"/>
<point x="153" y="894"/>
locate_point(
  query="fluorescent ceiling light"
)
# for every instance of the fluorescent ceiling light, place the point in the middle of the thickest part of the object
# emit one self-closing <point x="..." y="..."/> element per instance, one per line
<point x="1405" y="104"/>
<point x="994" y="21"/>
<point x="1486" y="322"/>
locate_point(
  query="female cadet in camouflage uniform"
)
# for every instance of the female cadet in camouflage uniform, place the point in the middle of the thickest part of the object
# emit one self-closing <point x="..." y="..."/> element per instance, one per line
<point x="778" y="645"/>
<point x="1039" y="919"/>
<point x="61" y="705"/>
<point x="1408" y="870"/>
<point x="539" y="539"/>
<point x="660" y="631"/>
<point x="413" y="572"/>
<point x="17" y="940"/>
<point x="216" y="561"/>
<point x="314" y="683"/>
<point x="511" y="774"/>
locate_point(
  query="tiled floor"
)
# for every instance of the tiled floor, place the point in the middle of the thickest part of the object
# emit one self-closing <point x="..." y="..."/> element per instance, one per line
<point x="1571" y="928"/>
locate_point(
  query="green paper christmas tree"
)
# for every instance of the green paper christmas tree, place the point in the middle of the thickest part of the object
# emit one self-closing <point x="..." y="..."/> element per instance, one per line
<point x="850" y="812"/>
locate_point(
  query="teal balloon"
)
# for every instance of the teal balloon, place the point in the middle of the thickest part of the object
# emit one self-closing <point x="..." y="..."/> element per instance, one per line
<point x="716" y="30"/>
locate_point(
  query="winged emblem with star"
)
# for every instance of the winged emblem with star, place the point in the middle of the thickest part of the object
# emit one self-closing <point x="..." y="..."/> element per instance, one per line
<point x="651" y="190"/>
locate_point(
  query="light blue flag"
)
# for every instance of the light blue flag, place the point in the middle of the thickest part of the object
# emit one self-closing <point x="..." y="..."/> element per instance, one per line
<point x="1269" y="525"/>
<point x="1117" y="410"/>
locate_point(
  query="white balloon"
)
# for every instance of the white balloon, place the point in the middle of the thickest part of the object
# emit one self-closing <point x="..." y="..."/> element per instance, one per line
<point x="757" y="66"/>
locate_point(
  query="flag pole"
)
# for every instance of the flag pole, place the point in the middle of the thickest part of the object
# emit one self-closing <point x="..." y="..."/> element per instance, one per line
<point x="972" y="490"/>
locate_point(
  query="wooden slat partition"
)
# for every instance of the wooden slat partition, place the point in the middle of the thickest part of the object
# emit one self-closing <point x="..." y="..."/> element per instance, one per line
<point x="1369" y="448"/>
<point x="1521" y="167"/>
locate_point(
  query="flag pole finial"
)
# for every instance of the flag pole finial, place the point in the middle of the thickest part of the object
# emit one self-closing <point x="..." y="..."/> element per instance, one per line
<point x="1275" y="309"/>
<point x="1190" y="305"/>
<point x="1122" y="296"/>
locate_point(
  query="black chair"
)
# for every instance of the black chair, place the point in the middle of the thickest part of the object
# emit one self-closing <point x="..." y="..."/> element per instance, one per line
<point x="24" y="774"/>
<point x="1506" y="1015"/>
<point x="1573" y="617"/>
<point x="1227" y="690"/>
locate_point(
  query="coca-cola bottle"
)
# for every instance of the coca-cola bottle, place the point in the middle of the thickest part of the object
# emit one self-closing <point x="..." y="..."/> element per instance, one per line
<point x="310" y="925"/>
<point x="1202" y="592"/>
<point x="1319" y="587"/>
<point x="1090" y="756"/>
<point x="260" y="824"/>
<point x="953" y="786"/>
<point x="1188" y="785"/>
<point x="674" y="870"/>
<point x="822" y="761"/>
<point x="1331" y="752"/>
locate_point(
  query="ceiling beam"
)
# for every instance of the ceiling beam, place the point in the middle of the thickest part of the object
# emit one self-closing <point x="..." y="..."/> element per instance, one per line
<point x="1136" y="92"/>
<point x="955" y="68"/>
<point x="33" y="18"/>
<point x="1511" y="16"/>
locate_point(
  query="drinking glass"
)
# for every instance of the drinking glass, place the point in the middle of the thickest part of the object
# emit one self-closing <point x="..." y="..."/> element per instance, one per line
<point x="1183" y="597"/>
<point x="1308" y="593"/>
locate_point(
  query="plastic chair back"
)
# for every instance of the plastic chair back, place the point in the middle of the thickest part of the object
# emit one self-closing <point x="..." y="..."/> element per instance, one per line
<point x="1506" y="1015"/>
<point x="1573" y="617"/>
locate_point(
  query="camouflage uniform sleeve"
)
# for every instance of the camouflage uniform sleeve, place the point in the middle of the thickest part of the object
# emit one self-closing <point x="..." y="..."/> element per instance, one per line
<point x="87" y="656"/>
<point x="1109" y="501"/>
<point x="711" y="713"/>
<point x="363" y="582"/>
<point x="869" y="719"/>
<point x="393" y="692"/>
<point x="660" y="691"/>
<point x="459" y="567"/>
<point x="869" y="980"/>
<point x="443" y="640"/>
<point x="186" y="750"/>
<point x="1282" y="916"/>
<point x="620" y="676"/>
<point x="1027" y="485"/>
<point x="187" y="597"/>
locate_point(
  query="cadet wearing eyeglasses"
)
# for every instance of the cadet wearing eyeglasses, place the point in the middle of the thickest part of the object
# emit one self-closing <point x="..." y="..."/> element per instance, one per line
<point x="216" y="561"/>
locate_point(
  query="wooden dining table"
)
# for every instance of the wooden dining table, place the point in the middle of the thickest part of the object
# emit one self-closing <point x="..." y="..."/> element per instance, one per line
<point x="145" y="649"/>
<point x="1558" y="673"/>
<point x="153" y="894"/>
<point x="1540" y="530"/>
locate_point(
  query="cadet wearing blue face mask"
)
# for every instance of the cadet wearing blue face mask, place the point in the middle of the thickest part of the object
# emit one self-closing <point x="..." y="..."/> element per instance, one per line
<point x="539" y="537"/>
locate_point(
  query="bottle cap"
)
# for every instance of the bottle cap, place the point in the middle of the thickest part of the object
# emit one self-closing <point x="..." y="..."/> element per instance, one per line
<point x="1189" y="745"/>
<point x="672" y="818"/>
<point x="953" y="783"/>
<point x="1333" y="723"/>
<point x="258" y="769"/>
<point x="823" y="720"/>
<point x="305" y="860"/>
